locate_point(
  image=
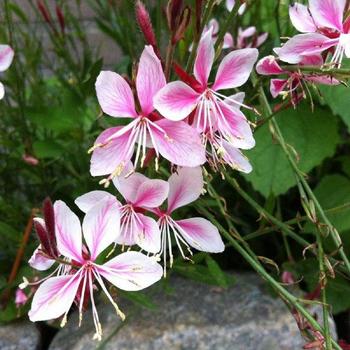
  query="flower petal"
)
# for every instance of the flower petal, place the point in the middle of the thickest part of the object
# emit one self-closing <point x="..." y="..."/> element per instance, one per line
<point x="131" y="271"/>
<point x="269" y="66"/>
<point x="2" y="91"/>
<point x="68" y="232"/>
<point x="328" y="13"/>
<point x="54" y="297"/>
<point x="129" y="185"/>
<point x="114" y="95"/>
<point x="235" y="68"/>
<point x="116" y="153"/>
<point x="185" y="187"/>
<point x="150" y="79"/>
<point x="39" y="261"/>
<point x="151" y="193"/>
<point x="90" y="199"/>
<point x="324" y="80"/>
<point x="228" y="41"/>
<point x="235" y="159"/>
<point x="303" y="45"/>
<point x="181" y="145"/>
<point x="176" y="100"/>
<point x="101" y="226"/>
<point x="205" y="57"/>
<point x="277" y="86"/>
<point x="6" y="57"/>
<point x="201" y="234"/>
<point x="301" y="18"/>
<point x="149" y="238"/>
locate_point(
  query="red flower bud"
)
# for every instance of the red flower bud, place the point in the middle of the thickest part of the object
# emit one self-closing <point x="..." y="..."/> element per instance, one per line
<point x="60" y="18"/>
<point x="49" y="217"/>
<point x="44" y="11"/>
<point x="173" y="13"/>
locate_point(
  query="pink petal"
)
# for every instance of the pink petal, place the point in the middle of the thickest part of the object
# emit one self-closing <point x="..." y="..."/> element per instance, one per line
<point x="247" y="33"/>
<point x="54" y="297"/>
<point x="261" y="39"/>
<point x="6" y="57"/>
<point x="101" y="226"/>
<point x="277" y="86"/>
<point x="214" y="25"/>
<point x="151" y="193"/>
<point x="176" y="100"/>
<point x="269" y="66"/>
<point x="235" y="68"/>
<point x="129" y="185"/>
<point x="39" y="261"/>
<point x="149" y="238"/>
<point x="201" y="234"/>
<point x="328" y="13"/>
<point x="2" y="91"/>
<point x="180" y="145"/>
<point x="114" y="95"/>
<point x="231" y="3"/>
<point x="150" y="79"/>
<point x="185" y="187"/>
<point x="239" y="97"/>
<point x="235" y="159"/>
<point x="228" y="41"/>
<point x="303" y="45"/>
<point x="205" y="58"/>
<point x="324" y="80"/>
<point x="301" y="19"/>
<point x="131" y="271"/>
<point x="115" y="153"/>
<point x="90" y="199"/>
<point x="312" y="60"/>
<point x="68" y="232"/>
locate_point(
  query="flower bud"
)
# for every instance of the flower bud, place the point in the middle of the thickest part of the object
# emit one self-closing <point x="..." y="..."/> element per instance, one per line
<point x="144" y="21"/>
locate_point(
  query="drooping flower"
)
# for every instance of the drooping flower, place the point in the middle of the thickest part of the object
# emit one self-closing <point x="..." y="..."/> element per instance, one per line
<point x="114" y="148"/>
<point x="249" y="37"/>
<point x="141" y="194"/>
<point x="293" y="84"/>
<point x="324" y="28"/>
<point x="6" y="58"/>
<point x="217" y="117"/>
<point x="129" y="271"/>
<point x="185" y="187"/>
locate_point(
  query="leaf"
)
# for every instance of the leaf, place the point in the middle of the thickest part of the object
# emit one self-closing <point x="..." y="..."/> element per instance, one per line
<point x="140" y="299"/>
<point x="313" y="136"/>
<point x="47" y="149"/>
<point x="216" y="272"/>
<point x="8" y="232"/>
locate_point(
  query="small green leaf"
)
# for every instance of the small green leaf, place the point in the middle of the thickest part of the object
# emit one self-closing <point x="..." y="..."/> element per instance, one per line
<point x="216" y="272"/>
<point x="140" y="299"/>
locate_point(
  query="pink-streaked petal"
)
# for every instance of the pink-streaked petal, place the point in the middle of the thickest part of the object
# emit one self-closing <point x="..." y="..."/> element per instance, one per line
<point x="324" y="80"/>
<point x="149" y="238"/>
<point x="328" y="13"/>
<point x="68" y="232"/>
<point x="235" y="68"/>
<point x="214" y="25"/>
<point x="129" y="185"/>
<point x="185" y="187"/>
<point x="277" y="86"/>
<point x="301" y="18"/>
<point x="39" y="261"/>
<point x="237" y="127"/>
<point x="176" y="100"/>
<point x="90" y="199"/>
<point x="151" y="193"/>
<point x="54" y="297"/>
<point x="228" y="41"/>
<point x="239" y="97"/>
<point x="114" y="95"/>
<point x="205" y="58"/>
<point x="181" y="144"/>
<point x="261" y="39"/>
<point x="150" y="79"/>
<point x="2" y="91"/>
<point x="6" y="57"/>
<point x="131" y="271"/>
<point x="235" y="159"/>
<point x="312" y="60"/>
<point x="116" y="153"/>
<point x="201" y="234"/>
<point x="304" y="45"/>
<point x="101" y="226"/>
<point x="269" y="66"/>
<point x="247" y="32"/>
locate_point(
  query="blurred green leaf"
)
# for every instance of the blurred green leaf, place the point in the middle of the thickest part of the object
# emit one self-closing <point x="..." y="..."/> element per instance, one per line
<point x="303" y="130"/>
<point x="47" y="149"/>
<point x="140" y="299"/>
<point x="216" y="272"/>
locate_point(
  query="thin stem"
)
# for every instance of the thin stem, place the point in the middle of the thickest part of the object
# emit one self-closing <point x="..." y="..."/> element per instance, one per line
<point x="169" y="58"/>
<point x="311" y="69"/>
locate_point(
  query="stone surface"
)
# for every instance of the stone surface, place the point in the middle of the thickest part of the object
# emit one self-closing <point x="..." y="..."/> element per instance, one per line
<point x="195" y="316"/>
<point x="19" y="336"/>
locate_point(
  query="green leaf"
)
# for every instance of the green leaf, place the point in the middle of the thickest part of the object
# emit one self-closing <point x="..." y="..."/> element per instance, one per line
<point x="47" y="149"/>
<point x="216" y="272"/>
<point x="313" y="136"/>
<point x="140" y="299"/>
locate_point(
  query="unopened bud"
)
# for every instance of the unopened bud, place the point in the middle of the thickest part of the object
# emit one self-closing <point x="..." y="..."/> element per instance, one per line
<point x="183" y="24"/>
<point x="60" y="18"/>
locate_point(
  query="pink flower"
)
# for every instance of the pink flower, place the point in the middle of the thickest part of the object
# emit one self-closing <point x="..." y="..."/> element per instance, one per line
<point x="231" y="3"/>
<point x="293" y="84"/>
<point x="248" y="38"/>
<point x="185" y="187"/>
<point x="129" y="271"/>
<point x="141" y="194"/>
<point x="323" y="26"/>
<point x="217" y="117"/>
<point x="113" y="149"/>
<point x="6" y="57"/>
<point x="30" y="159"/>
<point x="21" y="298"/>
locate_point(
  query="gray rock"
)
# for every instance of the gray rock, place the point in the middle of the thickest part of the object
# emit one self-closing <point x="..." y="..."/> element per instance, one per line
<point x="194" y="316"/>
<point x="19" y="336"/>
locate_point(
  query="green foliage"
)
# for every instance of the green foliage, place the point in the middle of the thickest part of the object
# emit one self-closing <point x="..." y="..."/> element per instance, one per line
<point x="303" y="131"/>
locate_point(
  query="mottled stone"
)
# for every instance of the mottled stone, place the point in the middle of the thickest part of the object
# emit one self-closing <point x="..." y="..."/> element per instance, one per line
<point x="19" y="336"/>
<point x="195" y="316"/>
